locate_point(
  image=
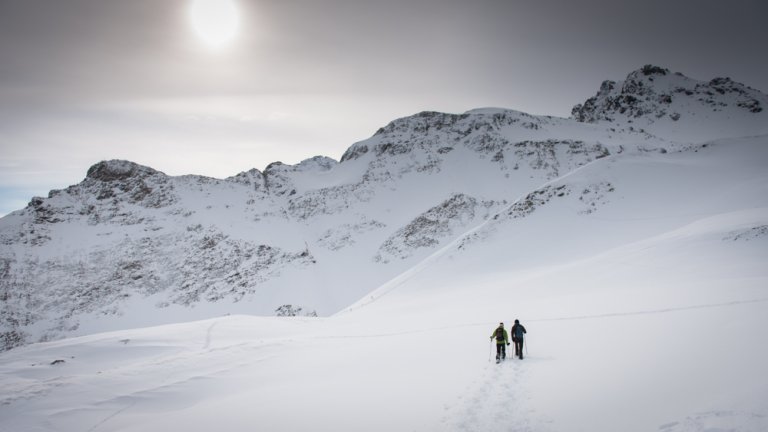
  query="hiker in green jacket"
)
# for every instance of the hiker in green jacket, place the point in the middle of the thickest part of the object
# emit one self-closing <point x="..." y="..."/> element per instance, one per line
<point x="502" y="341"/>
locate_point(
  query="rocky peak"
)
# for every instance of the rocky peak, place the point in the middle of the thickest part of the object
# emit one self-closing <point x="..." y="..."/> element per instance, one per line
<point x="127" y="181"/>
<point x="253" y="177"/>
<point x="650" y="70"/>
<point x="317" y="163"/>
<point x="277" y="177"/>
<point x="438" y="133"/>
<point x="422" y="122"/>
<point x="654" y="93"/>
<point x="118" y="170"/>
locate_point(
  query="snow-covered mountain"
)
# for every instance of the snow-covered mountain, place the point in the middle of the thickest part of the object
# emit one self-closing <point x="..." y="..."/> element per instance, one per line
<point x="130" y="246"/>
<point x="630" y="241"/>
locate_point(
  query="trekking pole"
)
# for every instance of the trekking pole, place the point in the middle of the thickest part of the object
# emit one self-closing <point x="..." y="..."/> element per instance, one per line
<point x="490" y="350"/>
<point x="526" y="346"/>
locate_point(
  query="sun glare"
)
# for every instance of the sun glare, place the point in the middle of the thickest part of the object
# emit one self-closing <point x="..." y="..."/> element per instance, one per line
<point x="215" y="22"/>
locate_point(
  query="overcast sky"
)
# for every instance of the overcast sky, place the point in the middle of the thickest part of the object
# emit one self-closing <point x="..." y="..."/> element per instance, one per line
<point x="88" y="80"/>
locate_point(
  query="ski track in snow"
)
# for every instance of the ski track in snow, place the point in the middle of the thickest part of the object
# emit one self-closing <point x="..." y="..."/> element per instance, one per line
<point x="208" y="335"/>
<point x="181" y="371"/>
<point x="653" y="311"/>
<point x="567" y="318"/>
<point x="718" y="421"/>
<point x="111" y="416"/>
<point x="495" y="402"/>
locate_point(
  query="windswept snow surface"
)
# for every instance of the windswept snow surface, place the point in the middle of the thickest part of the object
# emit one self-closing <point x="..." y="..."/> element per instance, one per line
<point x="641" y="279"/>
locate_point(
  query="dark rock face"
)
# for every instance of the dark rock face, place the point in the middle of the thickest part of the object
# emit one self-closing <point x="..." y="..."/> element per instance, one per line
<point x="641" y="95"/>
<point x="653" y="70"/>
<point x="432" y="132"/>
<point x="119" y="170"/>
<point x="129" y="182"/>
<point x="431" y="227"/>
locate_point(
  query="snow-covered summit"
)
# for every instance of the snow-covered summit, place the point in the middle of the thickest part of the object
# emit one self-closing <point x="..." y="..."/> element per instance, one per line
<point x="674" y="106"/>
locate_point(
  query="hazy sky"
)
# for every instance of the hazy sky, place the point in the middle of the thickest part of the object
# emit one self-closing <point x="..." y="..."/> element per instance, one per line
<point x="87" y="80"/>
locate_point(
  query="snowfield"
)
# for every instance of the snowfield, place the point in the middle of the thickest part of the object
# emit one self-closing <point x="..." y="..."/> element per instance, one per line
<point x="632" y="248"/>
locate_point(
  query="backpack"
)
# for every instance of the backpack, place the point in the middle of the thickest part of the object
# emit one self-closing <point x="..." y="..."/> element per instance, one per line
<point x="518" y="332"/>
<point x="499" y="334"/>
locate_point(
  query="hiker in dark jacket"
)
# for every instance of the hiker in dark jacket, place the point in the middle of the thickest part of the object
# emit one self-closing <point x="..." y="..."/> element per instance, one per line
<point x="518" y="334"/>
<point x="502" y="340"/>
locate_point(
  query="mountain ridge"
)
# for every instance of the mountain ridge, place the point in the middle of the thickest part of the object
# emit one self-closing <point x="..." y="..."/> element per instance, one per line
<point x="187" y="247"/>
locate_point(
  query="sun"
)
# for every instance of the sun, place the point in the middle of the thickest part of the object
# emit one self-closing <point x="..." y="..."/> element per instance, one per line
<point x="216" y="22"/>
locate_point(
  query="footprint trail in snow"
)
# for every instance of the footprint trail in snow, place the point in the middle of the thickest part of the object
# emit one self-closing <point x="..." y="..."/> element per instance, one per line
<point x="498" y="401"/>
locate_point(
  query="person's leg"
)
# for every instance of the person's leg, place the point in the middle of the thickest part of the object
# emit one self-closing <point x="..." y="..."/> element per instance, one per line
<point x="521" y="342"/>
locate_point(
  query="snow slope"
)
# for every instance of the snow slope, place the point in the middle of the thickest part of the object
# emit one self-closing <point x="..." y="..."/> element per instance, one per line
<point x="640" y="277"/>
